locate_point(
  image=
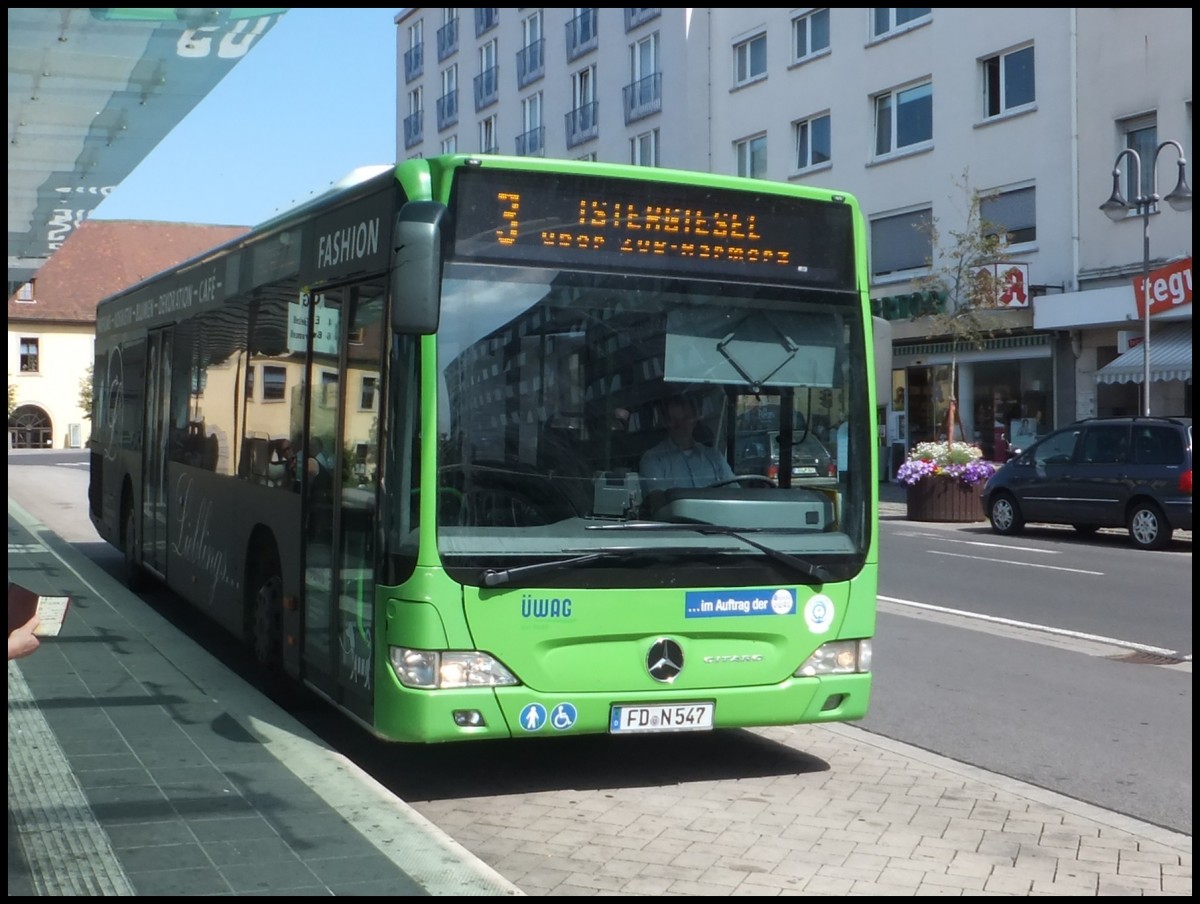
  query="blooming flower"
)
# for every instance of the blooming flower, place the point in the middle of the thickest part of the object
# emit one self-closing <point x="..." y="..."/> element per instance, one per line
<point x="957" y="461"/>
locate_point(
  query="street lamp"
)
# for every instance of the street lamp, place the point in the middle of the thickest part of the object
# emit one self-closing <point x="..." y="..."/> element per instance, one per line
<point x="1116" y="207"/>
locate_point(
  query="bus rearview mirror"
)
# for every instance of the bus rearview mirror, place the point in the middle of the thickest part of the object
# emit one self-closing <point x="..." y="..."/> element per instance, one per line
<point x="417" y="268"/>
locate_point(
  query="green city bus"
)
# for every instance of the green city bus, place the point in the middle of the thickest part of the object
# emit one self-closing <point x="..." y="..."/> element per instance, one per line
<point x="391" y="441"/>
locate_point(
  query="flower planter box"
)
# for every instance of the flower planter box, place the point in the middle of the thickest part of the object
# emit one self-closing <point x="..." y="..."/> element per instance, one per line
<point x="944" y="499"/>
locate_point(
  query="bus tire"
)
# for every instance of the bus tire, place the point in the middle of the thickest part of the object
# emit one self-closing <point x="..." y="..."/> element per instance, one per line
<point x="133" y="573"/>
<point x="265" y="599"/>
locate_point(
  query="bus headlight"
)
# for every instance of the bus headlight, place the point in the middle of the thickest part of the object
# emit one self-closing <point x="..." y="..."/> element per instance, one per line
<point x="840" y="657"/>
<point x="432" y="669"/>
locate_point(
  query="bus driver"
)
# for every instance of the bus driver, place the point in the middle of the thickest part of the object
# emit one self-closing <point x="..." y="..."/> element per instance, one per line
<point x="680" y="461"/>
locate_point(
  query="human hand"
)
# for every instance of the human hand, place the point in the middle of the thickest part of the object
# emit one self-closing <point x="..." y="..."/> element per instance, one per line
<point x="22" y="641"/>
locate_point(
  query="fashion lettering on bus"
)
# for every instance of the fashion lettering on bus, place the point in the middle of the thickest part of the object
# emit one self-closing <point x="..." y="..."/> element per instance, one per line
<point x="348" y="244"/>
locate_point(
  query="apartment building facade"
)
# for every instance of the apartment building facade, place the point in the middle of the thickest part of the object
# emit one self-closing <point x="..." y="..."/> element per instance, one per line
<point x="912" y="110"/>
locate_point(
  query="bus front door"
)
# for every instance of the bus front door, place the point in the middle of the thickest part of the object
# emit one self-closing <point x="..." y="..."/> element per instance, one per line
<point x="340" y="499"/>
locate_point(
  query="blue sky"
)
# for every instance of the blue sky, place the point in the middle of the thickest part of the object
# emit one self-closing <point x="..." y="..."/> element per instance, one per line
<point x="313" y="101"/>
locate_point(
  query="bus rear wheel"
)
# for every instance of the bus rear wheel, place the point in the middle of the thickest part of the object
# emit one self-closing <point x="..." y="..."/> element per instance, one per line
<point x="266" y="615"/>
<point x="134" y="574"/>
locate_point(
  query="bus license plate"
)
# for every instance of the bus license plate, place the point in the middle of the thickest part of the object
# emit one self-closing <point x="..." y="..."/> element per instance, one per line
<point x="662" y="717"/>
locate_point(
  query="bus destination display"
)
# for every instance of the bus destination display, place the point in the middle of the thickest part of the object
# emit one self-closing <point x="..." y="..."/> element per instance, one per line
<point x="511" y="217"/>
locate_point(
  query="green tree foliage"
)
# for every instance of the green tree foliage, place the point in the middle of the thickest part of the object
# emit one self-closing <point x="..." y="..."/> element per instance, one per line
<point x="963" y="271"/>
<point x="85" y="393"/>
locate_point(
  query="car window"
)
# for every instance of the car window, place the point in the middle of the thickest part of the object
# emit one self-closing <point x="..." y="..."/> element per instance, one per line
<point x="1055" y="449"/>
<point x="752" y="447"/>
<point x="1154" y="445"/>
<point x="1105" y="444"/>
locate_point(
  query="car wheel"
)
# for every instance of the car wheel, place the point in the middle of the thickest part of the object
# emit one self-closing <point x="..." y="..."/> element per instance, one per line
<point x="1004" y="515"/>
<point x="1148" y="529"/>
<point x="1086" y="530"/>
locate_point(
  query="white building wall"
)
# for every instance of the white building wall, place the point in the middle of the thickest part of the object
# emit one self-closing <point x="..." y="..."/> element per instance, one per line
<point x="65" y="353"/>
<point x="1093" y="69"/>
<point x="1133" y="62"/>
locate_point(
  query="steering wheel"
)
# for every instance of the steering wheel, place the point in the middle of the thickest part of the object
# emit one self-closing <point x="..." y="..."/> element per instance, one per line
<point x="499" y="508"/>
<point x="754" y="478"/>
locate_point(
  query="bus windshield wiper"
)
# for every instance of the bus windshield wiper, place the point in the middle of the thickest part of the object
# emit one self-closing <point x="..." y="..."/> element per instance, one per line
<point x="494" y="577"/>
<point x="805" y="567"/>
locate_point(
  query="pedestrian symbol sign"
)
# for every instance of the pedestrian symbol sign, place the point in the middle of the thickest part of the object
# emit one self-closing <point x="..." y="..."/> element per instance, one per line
<point x="533" y="717"/>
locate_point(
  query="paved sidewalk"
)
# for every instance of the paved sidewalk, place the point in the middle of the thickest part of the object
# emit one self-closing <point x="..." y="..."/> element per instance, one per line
<point x="139" y="765"/>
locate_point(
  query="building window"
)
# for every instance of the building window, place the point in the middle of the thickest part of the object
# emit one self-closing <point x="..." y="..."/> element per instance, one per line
<point x="328" y="390"/>
<point x="447" y="35"/>
<point x="531" y="58"/>
<point x="643" y="94"/>
<point x="1013" y="213"/>
<point x="29" y="355"/>
<point x="250" y="383"/>
<point x="531" y="142"/>
<point x="25" y="293"/>
<point x="488" y="143"/>
<point x="1008" y="82"/>
<point x="450" y="145"/>
<point x="1141" y="135"/>
<point x="636" y="15"/>
<point x="486" y="18"/>
<point x="487" y="83"/>
<point x="901" y="242"/>
<point x="812" y="141"/>
<point x="888" y="19"/>
<point x="643" y="149"/>
<point x="752" y="157"/>
<point x="810" y="35"/>
<point x="903" y="119"/>
<point x="414" y="57"/>
<point x="582" y="33"/>
<point x="366" y="397"/>
<point x="750" y="59"/>
<point x="581" y="121"/>
<point x="447" y="104"/>
<point x="274" y="383"/>
<point x="414" y="121"/>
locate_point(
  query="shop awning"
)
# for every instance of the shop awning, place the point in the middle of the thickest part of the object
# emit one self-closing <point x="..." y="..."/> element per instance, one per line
<point x="1170" y="357"/>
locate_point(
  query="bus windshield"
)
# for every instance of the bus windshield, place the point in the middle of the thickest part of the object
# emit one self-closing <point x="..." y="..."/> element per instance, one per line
<point x="556" y="393"/>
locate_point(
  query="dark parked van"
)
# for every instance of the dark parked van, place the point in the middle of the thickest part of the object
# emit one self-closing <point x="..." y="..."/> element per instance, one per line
<point x="1131" y="472"/>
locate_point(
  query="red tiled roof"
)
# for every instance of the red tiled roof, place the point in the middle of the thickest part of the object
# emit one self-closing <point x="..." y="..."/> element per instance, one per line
<point x="102" y="257"/>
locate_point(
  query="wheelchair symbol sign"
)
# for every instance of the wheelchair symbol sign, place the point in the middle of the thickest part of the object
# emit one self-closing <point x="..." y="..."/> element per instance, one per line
<point x="563" y="717"/>
<point x="533" y="716"/>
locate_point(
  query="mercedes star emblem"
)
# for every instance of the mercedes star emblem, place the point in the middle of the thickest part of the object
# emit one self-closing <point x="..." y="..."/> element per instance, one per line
<point x="665" y="660"/>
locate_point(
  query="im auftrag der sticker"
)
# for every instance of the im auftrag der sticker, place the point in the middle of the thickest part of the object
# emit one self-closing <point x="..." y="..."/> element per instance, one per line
<point x="754" y="601"/>
<point x="819" y="611"/>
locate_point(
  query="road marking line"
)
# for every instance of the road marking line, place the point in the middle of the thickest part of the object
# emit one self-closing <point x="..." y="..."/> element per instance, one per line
<point x="1027" y="626"/>
<point x="957" y="555"/>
